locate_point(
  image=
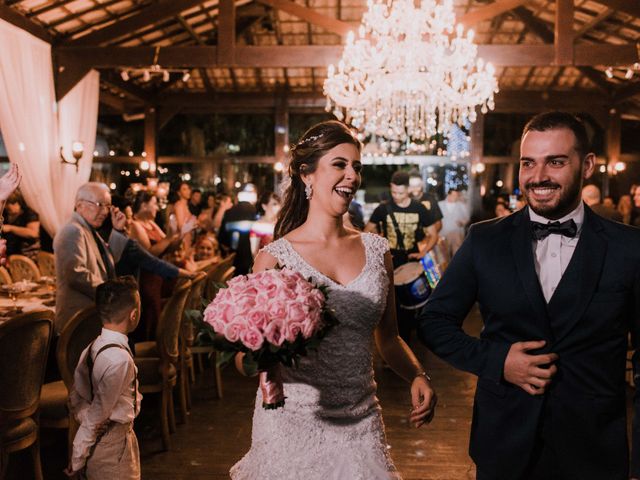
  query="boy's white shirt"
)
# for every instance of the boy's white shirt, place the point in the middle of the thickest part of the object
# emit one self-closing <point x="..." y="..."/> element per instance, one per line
<point x="114" y="373"/>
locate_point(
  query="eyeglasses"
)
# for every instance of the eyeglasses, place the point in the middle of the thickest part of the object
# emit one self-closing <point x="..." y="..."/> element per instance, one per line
<point x="100" y="205"/>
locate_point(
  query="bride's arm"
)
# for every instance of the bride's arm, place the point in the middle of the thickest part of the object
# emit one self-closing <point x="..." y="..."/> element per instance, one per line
<point x="402" y="360"/>
<point x="263" y="261"/>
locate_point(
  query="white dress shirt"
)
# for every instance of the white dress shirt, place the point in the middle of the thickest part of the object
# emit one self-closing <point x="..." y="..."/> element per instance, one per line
<point x="552" y="254"/>
<point x="114" y="386"/>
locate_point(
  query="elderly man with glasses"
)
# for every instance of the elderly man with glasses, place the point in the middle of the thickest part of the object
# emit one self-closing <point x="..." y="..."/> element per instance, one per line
<point x="83" y="259"/>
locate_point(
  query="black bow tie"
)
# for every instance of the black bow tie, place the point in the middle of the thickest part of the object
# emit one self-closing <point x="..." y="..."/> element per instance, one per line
<point x="543" y="230"/>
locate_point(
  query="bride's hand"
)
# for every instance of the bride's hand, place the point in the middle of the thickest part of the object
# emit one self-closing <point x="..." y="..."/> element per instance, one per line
<point x="424" y="400"/>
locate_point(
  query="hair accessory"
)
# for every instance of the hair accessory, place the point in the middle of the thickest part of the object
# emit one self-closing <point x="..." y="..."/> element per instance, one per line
<point x="309" y="139"/>
<point x="308" y="191"/>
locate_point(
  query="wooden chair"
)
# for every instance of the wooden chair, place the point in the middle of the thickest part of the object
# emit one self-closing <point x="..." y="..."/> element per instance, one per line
<point x="156" y="361"/>
<point x="46" y="264"/>
<point x="23" y="268"/>
<point x="76" y="335"/>
<point x="5" y="277"/>
<point x="215" y="278"/>
<point x="216" y="273"/>
<point x="24" y="345"/>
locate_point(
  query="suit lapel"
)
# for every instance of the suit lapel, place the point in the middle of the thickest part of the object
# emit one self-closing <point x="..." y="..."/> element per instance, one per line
<point x="522" y="249"/>
<point x="589" y="259"/>
<point x="94" y="247"/>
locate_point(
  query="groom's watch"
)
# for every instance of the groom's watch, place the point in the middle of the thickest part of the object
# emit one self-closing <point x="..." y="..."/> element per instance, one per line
<point x="423" y="374"/>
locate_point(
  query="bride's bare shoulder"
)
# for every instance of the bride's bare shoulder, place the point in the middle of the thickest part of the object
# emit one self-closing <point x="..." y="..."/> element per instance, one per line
<point x="264" y="261"/>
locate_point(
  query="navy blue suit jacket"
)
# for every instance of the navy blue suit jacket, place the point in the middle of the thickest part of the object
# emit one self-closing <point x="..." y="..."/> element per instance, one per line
<point x="586" y="322"/>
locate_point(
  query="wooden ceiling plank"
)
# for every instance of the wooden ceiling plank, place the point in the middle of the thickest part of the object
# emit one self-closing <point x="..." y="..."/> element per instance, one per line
<point x="631" y="7"/>
<point x="13" y="17"/>
<point x="597" y="20"/>
<point x="563" y="37"/>
<point x="47" y="7"/>
<point x="311" y="16"/>
<point x="490" y="11"/>
<point x="203" y="71"/>
<point x="627" y="92"/>
<point x="75" y="15"/>
<point x="152" y="14"/>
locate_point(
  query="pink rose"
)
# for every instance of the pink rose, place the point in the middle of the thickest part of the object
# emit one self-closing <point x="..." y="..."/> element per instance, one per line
<point x="273" y="334"/>
<point x="276" y="309"/>
<point x="292" y="330"/>
<point x="252" y="338"/>
<point x="258" y="318"/>
<point x="310" y="325"/>
<point x="233" y="330"/>
<point x="295" y="313"/>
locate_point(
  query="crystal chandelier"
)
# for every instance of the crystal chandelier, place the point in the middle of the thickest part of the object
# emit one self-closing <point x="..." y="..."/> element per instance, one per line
<point x="407" y="76"/>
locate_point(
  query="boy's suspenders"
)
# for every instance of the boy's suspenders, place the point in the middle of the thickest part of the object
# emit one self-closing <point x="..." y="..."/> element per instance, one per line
<point x="91" y="362"/>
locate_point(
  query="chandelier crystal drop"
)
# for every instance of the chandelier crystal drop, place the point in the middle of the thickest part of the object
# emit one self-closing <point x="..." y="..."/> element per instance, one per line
<point x="409" y="74"/>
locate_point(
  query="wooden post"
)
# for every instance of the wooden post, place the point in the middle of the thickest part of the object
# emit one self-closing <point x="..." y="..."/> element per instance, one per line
<point x="613" y="146"/>
<point x="227" y="32"/>
<point x="477" y="147"/>
<point x="151" y="138"/>
<point x="563" y="38"/>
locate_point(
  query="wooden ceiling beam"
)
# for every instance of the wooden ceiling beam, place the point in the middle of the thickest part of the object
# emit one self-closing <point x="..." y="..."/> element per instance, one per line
<point x="590" y="25"/>
<point x="490" y="11"/>
<point x="14" y="18"/>
<point x="631" y="7"/>
<point x="289" y="56"/>
<point x="151" y="14"/>
<point x="48" y="7"/>
<point x="227" y="32"/>
<point x="626" y="92"/>
<point x="582" y="53"/>
<point x="311" y="16"/>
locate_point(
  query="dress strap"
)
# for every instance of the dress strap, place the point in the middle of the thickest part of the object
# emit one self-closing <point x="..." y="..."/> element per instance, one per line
<point x="281" y="250"/>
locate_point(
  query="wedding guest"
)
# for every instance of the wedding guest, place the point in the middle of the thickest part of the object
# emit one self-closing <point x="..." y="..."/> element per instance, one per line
<point x="181" y="214"/>
<point x="635" y="215"/>
<point x="21" y="227"/>
<point x="558" y="289"/>
<point x="608" y="202"/>
<point x="262" y="229"/>
<point x="591" y="196"/>
<point x="8" y="184"/>
<point x="148" y="234"/>
<point x="83" y="259"/>
<point x="105" y="398"/>
<point x="502" y="210"/>
<point x="195" y="202"/>
<point x="624" y="208"/>
<point x="428" y="200"/>
<point x="411" y="232"/>
<point x="236" y="227"/>
<point x="224" y="202"/>
<point x="454" y="221"/>
<point x="205" y="218"/>
<point x="207" y="251"/>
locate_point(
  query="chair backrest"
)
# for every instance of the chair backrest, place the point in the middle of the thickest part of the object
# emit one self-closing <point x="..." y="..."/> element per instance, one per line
<point x="77" y="334"/>
<point x="23" y="268"/>
<point x="194" y="302"/>
<point x="215" y="274"/>
<point x="5" y="277"/>
<point x="226" y="276"/>
<point x="170" y="321"/>
<point x="24" y="346"/>
<point x="47" y="264"/>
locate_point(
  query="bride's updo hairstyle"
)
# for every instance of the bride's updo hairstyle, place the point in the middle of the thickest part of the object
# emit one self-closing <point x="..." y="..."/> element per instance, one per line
<point x="315" y="143"/>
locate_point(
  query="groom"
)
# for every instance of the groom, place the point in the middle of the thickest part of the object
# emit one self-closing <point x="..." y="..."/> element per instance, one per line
<point x="559" y="291"/>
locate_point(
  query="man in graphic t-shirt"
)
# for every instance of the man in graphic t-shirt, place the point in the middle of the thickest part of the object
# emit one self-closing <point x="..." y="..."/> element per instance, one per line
<point x="417" y="235"/>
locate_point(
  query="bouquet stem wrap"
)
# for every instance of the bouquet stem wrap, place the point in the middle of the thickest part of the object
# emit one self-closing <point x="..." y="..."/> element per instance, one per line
<point x="272" y="387"/>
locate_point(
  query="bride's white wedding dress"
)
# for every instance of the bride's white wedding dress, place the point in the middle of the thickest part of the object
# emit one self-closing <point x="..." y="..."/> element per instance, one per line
<point x="330" y="427"/>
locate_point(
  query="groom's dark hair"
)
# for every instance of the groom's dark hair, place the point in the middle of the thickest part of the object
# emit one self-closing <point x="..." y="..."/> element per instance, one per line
<point x="552" y="120"/>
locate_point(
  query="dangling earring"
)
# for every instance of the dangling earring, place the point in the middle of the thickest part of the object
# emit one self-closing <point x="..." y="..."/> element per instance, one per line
<point x="308" y="191"/>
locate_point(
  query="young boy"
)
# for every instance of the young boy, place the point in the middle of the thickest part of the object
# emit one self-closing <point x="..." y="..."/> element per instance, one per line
<point x="105" y="398"/>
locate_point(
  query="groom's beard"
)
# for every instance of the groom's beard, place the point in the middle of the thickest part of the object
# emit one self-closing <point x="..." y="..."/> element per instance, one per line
<point x="569" y="198"/>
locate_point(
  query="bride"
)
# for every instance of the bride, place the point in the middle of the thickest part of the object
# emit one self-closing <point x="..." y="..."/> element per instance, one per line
<point x="331" y="426"/>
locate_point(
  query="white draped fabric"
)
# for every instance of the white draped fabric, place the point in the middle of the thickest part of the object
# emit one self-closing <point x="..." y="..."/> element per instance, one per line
<point x="34" y="126"/>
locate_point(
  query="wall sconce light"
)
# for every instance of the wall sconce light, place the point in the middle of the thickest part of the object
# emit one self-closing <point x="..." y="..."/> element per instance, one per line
<point x="77" y="150"/>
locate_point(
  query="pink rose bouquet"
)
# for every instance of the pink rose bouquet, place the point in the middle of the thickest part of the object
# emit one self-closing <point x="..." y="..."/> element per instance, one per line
<point x="274" y="317"/>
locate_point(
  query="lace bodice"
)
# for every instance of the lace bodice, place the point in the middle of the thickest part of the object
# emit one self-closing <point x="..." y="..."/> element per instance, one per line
<point x="341" y="369"/>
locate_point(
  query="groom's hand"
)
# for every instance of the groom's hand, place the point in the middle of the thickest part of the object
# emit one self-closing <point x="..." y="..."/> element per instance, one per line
<point x="532" y="373"/>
